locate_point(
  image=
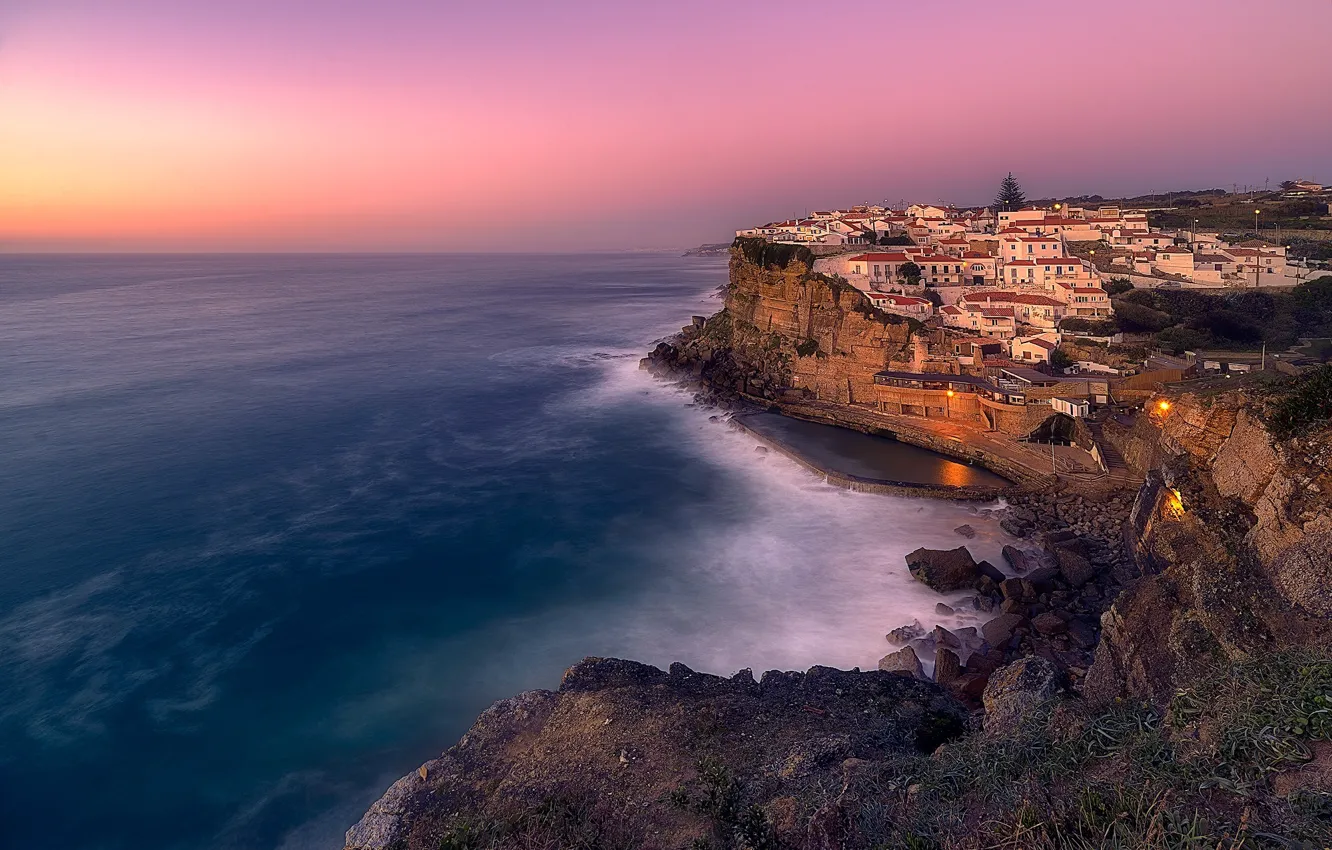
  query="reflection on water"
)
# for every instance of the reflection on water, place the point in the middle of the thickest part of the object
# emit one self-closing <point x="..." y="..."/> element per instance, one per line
<point x="867" y="456"/>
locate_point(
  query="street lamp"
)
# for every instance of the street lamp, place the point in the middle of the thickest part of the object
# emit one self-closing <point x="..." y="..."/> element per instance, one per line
<point x="948" y="405"/>
<point x="1255" y="222"/>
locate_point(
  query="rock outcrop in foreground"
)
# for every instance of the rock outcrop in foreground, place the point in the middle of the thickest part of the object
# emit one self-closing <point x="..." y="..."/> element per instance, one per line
<point x="637" y="757"/>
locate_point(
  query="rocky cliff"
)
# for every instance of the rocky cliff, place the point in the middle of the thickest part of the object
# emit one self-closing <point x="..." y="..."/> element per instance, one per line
<point x="626" y="755"/>
<point x="787" y="332"/>
<point x="1233" y="534"/>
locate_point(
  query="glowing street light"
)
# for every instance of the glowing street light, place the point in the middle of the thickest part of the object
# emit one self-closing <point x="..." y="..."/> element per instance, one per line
<point x="1163" y="405"/>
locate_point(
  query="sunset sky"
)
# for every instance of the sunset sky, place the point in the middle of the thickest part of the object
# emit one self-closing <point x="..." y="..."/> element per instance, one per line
<point x="414" y="125"/>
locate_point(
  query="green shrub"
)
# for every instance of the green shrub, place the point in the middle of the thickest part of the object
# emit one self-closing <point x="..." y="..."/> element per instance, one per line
<point x="1301" y="404"/>
<point x="765" y="254"/>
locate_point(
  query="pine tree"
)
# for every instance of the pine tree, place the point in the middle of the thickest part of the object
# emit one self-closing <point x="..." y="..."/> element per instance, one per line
<point x="1010" y="194"/>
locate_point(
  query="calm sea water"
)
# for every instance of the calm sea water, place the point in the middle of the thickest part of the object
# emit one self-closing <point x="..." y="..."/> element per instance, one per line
<point x="276" y="528"/>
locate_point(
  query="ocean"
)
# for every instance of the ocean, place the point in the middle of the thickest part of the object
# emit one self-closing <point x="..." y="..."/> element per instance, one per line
<point x="276" y="528"/>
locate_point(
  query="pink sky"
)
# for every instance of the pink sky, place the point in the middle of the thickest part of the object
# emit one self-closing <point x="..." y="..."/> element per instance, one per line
<point x="414" y="125"/>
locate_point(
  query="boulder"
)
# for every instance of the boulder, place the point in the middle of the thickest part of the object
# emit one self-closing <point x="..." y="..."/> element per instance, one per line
<point x="1049" y="623"/>
<point x="1014" y="526"/>
<point x="943" y="637"/>
<point x="1013" y="588"/>
<point x="943" y="569"/>
<point x="1043" y="578"/>
<point x="947" y="667"/>
<point x="1023" y="560"/>
<point x="1074" y="567"/>
<point x="998" y="631"/>
<point x="904" y="662"/>
<point x="902" y="634"/>
<point x="966" y="531"/>
<point x="990" y="571"/>
<point x="1082" y="634"/>
<point x="943" y="610"/>
<point x="1016" y="691"/>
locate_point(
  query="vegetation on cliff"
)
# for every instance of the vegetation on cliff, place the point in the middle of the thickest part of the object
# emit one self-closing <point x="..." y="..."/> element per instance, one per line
<point x="1301" y="403"/>
<point x="1189" y="319"/>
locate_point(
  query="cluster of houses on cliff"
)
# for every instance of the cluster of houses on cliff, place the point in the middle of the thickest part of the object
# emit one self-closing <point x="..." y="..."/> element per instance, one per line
<point x="1015" y="276"/>
<point x="1115" y="242"/>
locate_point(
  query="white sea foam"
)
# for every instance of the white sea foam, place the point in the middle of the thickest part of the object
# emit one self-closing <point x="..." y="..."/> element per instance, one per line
<point x="791" y="573"/>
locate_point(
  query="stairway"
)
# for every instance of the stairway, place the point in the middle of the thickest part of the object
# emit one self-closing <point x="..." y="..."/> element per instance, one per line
<point x="1116" y="467"/>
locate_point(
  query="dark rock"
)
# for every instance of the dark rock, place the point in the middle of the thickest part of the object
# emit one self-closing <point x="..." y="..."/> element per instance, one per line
<point x="1022" y="560"/>
<point x="1017" y="690"/>
<point x="943" y="637"/>
<point x="1043" y="578"/>
<point x="1049" y="623"/>
<point x="947" y="667"/>
<point x="1014" y="527"/>
<point x="986" y="662"/>
<point x="998" y="631"/>
<point x="902" y="634"/>
<point x="1013" y="606"/>
<point x="943" y="569"/>
<point x="982" y="603"/>
<point x="989" y="570"/>
<point x="943" y="610"/>
<point x="1013" y="588"/>
<point x="1075" y="568"/>
<point x="1082" y="634"/>
<point x="905" y="662"/>
<point x="966" y="531"/>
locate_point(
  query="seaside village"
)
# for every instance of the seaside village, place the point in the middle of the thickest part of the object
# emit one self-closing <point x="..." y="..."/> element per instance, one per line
<point x="1014" y="306"/>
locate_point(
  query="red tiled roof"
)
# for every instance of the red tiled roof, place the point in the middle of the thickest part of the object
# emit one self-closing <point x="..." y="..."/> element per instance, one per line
<point x="1012" y="298"/>
<point x="894" y="257"/>
<point x="1043" y="343"/>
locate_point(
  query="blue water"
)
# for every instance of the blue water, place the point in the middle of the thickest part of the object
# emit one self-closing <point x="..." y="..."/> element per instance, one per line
<point x="275" y="528"/>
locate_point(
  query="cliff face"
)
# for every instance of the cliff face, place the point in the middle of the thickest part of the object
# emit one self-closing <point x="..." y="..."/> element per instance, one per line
<point x="1233" y="532"/>
<point x="788" y="333"/>
<point x="625" y="755"/>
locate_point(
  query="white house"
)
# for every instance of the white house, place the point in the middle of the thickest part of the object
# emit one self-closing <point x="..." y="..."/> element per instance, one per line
<point x="1033" y="349"/>
<point x="1078" y="408"/>
<point x="902" y="305"/>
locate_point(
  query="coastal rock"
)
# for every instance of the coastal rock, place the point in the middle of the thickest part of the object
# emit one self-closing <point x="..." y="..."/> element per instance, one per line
<point x="991" y="572"/>
<point x="1019" y="689"/>
<point x="903" y="661"/>
<point x="903" y="634"/>
<point x="781" y="735"/>
<point x="1049" y="623"/>
<point x="947" y="667"/>
<point x="999" y="631"/>
<point x="1074" y="567"/>
<point x="943" y="569"/>
<point x="1022" y="560"/>
<point x="943" y="610"/>
<point x="966" y="531"/>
